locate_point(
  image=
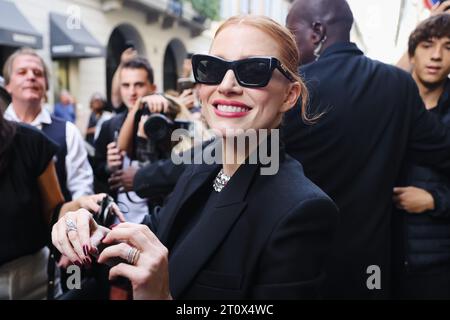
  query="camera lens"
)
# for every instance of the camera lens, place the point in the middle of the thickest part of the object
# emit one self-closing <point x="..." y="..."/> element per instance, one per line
<point x="158" y="127"/>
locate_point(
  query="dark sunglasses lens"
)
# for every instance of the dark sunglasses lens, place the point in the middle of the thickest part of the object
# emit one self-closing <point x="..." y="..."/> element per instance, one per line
<point x="210" y="70"/>
<point x="254" y="72"/>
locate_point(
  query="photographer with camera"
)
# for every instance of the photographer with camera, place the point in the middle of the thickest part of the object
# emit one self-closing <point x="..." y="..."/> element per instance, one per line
<point x="146" y="133"/>
<point x="112" y="165"/>
<point x="188" y="89"/>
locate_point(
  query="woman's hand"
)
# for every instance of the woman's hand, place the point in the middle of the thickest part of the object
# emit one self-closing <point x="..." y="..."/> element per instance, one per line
<point x="76" y="234"/>
<point x="149" y="273"/>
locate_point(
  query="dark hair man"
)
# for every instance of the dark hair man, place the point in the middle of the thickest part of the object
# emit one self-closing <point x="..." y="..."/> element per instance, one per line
<point x="422" y="258"/>
<point x="372" y="116"/>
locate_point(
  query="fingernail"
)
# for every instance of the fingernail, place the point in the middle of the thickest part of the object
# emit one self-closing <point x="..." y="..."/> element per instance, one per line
<point x="78" y="263"/>
<point x="114" y="225"/>
<point x="85" y="250"/>
<point x="93" y="250"/>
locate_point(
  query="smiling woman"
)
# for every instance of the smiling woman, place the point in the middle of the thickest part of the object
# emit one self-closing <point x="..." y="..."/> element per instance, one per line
<point x="229" y="231"/>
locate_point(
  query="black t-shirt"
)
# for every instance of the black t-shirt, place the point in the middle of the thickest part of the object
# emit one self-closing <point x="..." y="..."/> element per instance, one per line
<point x="23" y="229"/>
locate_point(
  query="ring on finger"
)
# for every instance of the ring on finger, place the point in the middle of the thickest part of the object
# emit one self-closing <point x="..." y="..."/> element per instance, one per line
<point x="70" y="225"/>
<point x="133" y="255"/>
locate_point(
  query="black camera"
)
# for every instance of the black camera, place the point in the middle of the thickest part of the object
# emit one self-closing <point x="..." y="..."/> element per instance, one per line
<point x="158" y="128"/>
<point x="106" y="216"/>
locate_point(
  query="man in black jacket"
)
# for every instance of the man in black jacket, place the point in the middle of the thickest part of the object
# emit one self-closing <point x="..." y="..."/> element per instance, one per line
<point x="423" y="195"/>
<point x="372" y="117"/>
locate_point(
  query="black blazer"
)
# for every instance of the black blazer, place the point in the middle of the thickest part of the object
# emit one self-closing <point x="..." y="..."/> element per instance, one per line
<point x="266" y="238"/>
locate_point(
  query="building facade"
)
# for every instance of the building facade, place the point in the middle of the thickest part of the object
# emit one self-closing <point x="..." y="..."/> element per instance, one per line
<point x="276" y="9"/>
<point x="382" y="27"/>
<point x="82" y="40"/>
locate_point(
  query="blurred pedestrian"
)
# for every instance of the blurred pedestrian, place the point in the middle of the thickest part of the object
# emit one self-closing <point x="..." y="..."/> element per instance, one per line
<point x="65" y="108"/>
<point x="98" y="115"/>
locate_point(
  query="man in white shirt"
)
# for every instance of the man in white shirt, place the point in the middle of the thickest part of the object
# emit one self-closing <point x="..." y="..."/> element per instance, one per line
<point x="26" y="79"/>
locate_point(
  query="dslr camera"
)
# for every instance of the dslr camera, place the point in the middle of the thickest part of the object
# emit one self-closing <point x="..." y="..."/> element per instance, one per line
<point x="158" y="128"/>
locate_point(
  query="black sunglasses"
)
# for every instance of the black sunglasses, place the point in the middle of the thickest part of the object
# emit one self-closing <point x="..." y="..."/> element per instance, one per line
<point x="254" y="72"/>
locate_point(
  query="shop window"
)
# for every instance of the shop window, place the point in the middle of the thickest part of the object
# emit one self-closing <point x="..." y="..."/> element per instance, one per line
<point x="61" y="69"/>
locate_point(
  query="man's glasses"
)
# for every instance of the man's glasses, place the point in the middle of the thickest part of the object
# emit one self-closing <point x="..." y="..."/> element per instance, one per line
<point x="252" y="72"/>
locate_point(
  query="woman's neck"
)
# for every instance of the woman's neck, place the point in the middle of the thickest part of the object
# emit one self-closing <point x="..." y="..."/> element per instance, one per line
<point x="235" y="150"/>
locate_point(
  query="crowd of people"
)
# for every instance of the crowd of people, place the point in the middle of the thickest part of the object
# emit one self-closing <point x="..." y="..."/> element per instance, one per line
<point x="362" y="179"/>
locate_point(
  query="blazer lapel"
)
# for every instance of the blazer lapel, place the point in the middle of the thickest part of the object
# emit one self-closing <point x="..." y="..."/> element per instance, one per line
<point x="194" y="182"/>
<point x="200" y="174"/>
<point x="211" y="229"/>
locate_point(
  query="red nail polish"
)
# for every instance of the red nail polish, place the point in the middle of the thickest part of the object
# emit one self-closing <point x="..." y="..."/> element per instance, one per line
<point x="93" y="250"/>
<point x="85" y="250"/>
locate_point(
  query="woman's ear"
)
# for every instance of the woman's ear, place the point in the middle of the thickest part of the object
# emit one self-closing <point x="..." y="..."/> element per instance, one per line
<point x="292" y="96"/>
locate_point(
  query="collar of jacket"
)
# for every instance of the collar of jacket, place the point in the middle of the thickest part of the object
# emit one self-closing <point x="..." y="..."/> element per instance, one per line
<point x="341" y="47"/>
<point x="444" y="103"/>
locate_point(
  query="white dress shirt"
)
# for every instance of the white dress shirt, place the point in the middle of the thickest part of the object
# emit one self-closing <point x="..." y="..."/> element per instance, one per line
<point x="80" y="178"/>
<point x="136" y="209"/>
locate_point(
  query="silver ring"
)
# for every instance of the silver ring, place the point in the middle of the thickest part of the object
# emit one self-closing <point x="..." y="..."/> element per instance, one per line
<point x="70" y="226"/>
<point x="133" y="255"/>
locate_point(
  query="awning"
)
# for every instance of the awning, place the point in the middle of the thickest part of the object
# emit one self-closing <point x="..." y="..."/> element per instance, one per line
<point x="15" y="30"/>
<point x="70" y="39"/>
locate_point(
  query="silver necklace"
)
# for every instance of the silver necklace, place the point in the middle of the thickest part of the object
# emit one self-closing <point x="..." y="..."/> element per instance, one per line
<point x="220" y="181"/>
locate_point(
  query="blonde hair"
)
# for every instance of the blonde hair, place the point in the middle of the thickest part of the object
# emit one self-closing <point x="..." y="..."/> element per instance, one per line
<point x="289" y="54"/>
<point x="7" y="68"/>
